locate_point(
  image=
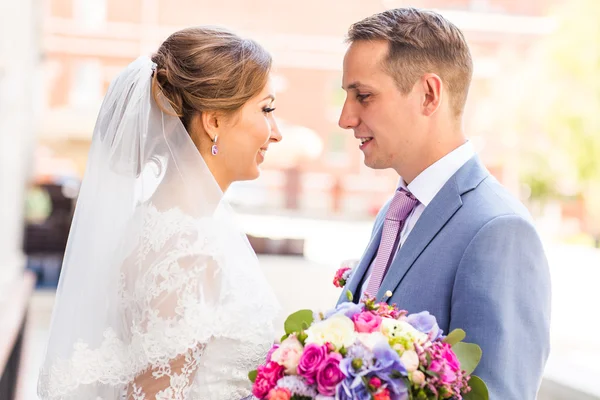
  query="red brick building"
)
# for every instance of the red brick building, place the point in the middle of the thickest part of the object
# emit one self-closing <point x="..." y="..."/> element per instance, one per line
<point x="86" y="43"/>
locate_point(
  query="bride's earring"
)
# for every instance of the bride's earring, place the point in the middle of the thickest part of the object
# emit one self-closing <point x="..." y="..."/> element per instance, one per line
<point x="214" y="149"/>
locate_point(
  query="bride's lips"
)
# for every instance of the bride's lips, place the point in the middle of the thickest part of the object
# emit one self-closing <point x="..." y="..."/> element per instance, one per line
<point x="261" y="154"/>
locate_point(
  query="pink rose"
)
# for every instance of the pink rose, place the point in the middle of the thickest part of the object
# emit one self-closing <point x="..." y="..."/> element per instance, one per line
<point x="280" y="394"/>
<point x="288" y="354"/>
<point x="375" y="382"/>
<point x="341" y="276"/>
<point x="311" y="361"/>
<point x="366" y="322"/>
<point x="270" y="353"/>
<point x="261" y="388"/>
<point x="266" y="379"/>
<point x="330" y="375"/>
<point x="446" y="375"/>
<point x="450" y="357"/>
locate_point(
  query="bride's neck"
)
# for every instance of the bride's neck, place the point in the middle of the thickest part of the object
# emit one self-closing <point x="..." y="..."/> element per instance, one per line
<point x="197" y="196"/>
<point x="219" y="173"/>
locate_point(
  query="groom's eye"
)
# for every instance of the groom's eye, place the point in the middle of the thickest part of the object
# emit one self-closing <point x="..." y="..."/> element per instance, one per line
<point x="362" y="97"/>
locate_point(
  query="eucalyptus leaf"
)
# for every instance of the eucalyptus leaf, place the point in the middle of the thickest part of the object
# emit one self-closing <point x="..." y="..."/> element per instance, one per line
<point x="252" y="376"/>
<point x="479" y="390"/>
<point x="297" y="321"/>
<point x="469" y="355"/>
<point x="454" y="337"/>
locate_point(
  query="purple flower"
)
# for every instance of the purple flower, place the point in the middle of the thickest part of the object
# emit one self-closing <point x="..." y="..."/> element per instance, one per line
<point x="329" y="375"/>
<point x="297" y="386"/>
<point x="383" y="363"/>
<point x="347" y="308"/>
<point x="389" y="368"/>
<point x="387" y="359"/>
<point x="310" y="362"/>
<point x="353" y="389"/>
<point x="358" y="361"/>
<point x="425" y="323"/>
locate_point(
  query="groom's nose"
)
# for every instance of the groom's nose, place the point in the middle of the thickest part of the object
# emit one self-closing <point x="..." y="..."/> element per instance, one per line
<point x="348" y="118"/>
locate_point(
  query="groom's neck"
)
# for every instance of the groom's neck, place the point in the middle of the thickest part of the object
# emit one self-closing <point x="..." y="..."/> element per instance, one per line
<point x="433" y="151"/>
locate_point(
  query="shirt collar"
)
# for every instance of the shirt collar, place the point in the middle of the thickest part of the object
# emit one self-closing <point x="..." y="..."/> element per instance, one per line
<point x="429" y="182"/>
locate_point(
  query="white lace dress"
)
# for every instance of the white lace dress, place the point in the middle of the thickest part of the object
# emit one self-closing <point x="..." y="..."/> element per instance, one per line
<point x="192" y="321"/>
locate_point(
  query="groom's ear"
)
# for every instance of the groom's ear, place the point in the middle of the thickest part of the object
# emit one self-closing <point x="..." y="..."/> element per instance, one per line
<point x="432" y="87"/>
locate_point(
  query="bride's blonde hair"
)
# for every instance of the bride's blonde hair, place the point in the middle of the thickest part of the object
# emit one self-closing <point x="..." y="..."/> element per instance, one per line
<point x="209" y="69"/>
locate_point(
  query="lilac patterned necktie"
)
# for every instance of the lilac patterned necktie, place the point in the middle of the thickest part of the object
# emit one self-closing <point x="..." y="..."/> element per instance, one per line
<point x="395" y="218"/>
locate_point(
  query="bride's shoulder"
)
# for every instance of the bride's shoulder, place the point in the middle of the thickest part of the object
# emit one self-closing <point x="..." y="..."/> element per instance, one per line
<point x="162" y="226"/>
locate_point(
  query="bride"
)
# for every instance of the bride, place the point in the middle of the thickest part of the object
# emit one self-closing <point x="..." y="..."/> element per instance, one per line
<point x="160" y="296"/>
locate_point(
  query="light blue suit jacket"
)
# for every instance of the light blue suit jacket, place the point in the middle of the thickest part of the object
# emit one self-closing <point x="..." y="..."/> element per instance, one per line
<point x="474" y="260"/>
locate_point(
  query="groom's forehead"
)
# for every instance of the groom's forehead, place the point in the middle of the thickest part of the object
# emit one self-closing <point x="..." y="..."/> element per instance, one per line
<point x="364" y="58"/>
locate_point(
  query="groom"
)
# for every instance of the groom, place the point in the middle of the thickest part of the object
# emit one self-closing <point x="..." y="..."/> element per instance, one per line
<point x="452" y="240"/>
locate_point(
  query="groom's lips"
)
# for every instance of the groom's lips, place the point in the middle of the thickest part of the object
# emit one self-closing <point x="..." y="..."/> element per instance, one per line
<point x="364" y="141"/>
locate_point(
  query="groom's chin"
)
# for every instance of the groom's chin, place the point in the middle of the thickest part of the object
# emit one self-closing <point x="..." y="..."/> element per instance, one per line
<point x="375" y="164"/>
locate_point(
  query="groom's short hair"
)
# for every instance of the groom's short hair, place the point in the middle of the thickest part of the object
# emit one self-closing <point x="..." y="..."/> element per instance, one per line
<point x="420" y="41"/>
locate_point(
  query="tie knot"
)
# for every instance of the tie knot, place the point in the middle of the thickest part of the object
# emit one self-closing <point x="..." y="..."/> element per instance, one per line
<point x="402" y="204"/>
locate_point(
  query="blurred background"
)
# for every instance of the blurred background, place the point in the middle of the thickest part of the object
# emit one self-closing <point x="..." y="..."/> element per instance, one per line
<point x="533" y="115"/>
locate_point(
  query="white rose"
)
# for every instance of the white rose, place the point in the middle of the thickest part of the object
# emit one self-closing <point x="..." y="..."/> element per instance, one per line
<point x="369" y="340"/>
<point x="288" y="355"/>
<point x="337" y="330"/>
<point x="410" y="359"/>
<point x="393" y="329"/>
<point x="418" y="377"/>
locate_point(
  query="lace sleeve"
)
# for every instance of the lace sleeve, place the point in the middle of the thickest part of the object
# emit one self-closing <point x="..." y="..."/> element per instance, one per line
<point x="180" y="288"/>
<point x="171" y="295"/>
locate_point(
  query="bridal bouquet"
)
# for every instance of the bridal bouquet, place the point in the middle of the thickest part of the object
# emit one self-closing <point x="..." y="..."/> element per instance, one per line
<point x="368" y="351"/>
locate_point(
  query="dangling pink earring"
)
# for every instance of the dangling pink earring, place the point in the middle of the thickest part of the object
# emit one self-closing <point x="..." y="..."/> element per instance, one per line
<point x="214" y="149"/>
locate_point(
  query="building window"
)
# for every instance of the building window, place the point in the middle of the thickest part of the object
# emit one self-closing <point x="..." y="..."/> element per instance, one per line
<point x="87" y="85"/>
<point x="336" y="151"/>
<point x="337" y="97"/>
<point x="90" y="13"/>
<point x="480" y="5"/>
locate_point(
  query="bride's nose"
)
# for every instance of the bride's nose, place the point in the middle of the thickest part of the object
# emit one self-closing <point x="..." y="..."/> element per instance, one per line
<point x="275" y="133"/>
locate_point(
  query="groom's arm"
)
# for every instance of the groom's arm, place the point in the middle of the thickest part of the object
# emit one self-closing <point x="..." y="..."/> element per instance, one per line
<point x="501" y="298"/>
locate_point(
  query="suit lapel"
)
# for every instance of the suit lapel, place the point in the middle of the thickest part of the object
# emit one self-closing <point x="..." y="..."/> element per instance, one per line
<point x="435" y="216"/>
<point x="363" y="266"/>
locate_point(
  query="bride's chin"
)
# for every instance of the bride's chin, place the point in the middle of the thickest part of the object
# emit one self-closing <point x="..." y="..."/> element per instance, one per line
<point x="250" y="175"/>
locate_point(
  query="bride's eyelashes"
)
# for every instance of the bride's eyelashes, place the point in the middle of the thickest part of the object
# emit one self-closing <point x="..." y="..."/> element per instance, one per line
<point x="268" y="110"/>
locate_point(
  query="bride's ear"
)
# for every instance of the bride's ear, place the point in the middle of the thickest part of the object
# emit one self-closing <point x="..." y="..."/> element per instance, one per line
<point x="210" y="123"/>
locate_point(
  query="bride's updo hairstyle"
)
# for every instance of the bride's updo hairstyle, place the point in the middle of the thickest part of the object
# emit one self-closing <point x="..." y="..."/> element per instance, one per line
<point x="209" y="69"/>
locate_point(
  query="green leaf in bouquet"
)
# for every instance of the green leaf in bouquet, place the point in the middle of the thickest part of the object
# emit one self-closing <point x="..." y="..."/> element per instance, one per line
<point x="469" y="355"/>
<point x="454" y="337"/>
<point x="284" y="337"/>
<point x="349" y="296"/>
<point x="297" y="321"/>
<point x="302" y="336"/>
<point x="479" y="390"/>
<point x="252" y="375"/>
